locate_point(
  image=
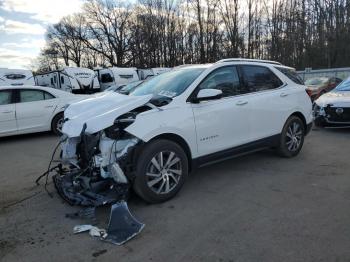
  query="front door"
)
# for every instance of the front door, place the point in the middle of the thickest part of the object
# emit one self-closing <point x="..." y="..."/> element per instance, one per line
<point x="7" y="112"/>
<point x="223" y="123"/>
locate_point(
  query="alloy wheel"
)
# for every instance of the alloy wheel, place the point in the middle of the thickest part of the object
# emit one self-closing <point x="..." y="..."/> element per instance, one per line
<point x="294" y="136"/>
<point x="59" y="125"/>
<point x="164" y="172"/>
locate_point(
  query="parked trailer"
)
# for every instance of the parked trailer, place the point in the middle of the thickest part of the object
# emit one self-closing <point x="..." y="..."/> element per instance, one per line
<point x="16" y="77"/>
<point x="71" y="79"/>
<point x="116" y="76"/>
<point x="146" y="73"/>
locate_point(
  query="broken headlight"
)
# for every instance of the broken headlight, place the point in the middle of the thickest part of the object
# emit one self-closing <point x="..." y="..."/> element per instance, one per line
<point x="319" y="111"/>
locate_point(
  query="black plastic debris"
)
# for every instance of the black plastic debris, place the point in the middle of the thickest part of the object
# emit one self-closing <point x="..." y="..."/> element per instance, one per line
<point x="85" y="213"/>
<point x="122" y="225"/>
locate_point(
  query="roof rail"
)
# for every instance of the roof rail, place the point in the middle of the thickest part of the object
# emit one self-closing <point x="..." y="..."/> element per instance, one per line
<point x="248" y="60"/>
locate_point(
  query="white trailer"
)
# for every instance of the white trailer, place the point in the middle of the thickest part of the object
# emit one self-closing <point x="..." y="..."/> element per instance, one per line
<point x="116" y="76"/>
<point x="146" y="73"/>
<point x="16" y="77"/>
<point x="71" y="79"/>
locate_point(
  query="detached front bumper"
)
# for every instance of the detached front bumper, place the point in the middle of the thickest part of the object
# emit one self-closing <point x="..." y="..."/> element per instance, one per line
<point x="88" y="192"/>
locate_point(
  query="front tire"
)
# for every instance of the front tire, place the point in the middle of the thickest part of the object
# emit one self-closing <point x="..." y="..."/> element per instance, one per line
<point x="57" y="124"/>
<point x="292" y="137"/>
<point x="162" y="169"/>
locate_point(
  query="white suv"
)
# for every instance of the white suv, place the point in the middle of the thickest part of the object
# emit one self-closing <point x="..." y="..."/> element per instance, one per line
<point x="186" y="118"/>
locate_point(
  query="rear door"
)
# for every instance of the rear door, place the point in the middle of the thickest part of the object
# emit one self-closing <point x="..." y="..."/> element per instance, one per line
<point x="34" y="109"/>
<point x="7" y="112"/>
<point x="270" y="101"/>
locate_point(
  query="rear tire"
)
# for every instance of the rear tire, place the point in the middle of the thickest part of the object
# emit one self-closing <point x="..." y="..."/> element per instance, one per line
<point x="161" y="171"/>
<point x="292" y="137"/>
<point x="57" y="123"/>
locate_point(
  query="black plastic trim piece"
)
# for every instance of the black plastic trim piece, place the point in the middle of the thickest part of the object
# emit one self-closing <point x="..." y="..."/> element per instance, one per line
<point x="236" y="151"/>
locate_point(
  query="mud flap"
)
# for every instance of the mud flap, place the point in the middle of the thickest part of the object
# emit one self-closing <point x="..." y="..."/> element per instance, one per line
<point x="122" y="226"/>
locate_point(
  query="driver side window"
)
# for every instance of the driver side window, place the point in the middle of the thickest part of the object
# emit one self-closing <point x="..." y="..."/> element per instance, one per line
<point x="225" y="79"/>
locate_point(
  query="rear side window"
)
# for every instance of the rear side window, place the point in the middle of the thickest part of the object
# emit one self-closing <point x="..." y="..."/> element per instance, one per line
<point x="259" y="78"/>
<point x="106" y="78"/>
<point x="31" y="95"/>
<point x="5" y="97"/>
<point x="48" y="96"/>
<point x="291" y="74"/>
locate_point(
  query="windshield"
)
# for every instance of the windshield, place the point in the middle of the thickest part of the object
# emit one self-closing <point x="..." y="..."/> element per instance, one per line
<point x="344" y="86"/>
<point x="129" y="87"/>
<point x="112" y="88"/>
<point x="315" y="81"/>
<point x="169" y="84"/>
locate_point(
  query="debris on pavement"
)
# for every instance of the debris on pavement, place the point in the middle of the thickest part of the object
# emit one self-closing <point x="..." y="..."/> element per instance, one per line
<point x="122" y="226"/>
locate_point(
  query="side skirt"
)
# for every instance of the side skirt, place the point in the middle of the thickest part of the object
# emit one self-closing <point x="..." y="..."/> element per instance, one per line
<point x="226" y="154"/>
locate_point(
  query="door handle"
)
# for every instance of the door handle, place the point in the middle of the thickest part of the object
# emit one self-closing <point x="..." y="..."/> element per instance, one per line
<point x="48" y="106"/>
<point x="241" y="103"/>
<point x="7" y="112"/>
<point x="283" y="94"/>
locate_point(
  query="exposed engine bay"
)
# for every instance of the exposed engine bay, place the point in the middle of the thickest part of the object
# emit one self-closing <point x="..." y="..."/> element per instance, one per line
<point x="93" y="167"/>
<point x="98" y="159"/>
<point x="97" y="167"/>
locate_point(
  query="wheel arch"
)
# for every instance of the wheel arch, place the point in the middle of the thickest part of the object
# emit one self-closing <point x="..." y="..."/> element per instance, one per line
<point x="302" y="117"/>
<point x="180" y="141"/>
<point x="53" y="117"/>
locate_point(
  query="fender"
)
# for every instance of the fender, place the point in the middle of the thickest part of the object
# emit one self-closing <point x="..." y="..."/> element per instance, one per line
<point x="168" y="120"/>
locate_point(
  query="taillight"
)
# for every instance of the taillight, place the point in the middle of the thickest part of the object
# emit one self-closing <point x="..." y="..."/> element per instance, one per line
<point x="309" y="92"/>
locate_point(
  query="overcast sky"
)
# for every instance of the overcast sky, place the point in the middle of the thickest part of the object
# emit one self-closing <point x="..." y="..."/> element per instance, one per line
<point x="23" y="24"/>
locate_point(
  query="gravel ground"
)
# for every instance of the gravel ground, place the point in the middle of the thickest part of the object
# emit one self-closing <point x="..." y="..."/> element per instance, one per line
<point x="258" y="207"/>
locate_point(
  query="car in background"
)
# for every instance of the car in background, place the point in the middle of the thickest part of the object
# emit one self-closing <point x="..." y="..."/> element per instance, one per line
<point x="320" y="85"/>
<point x="333" y="109"/>
<point x="30" y="109"/>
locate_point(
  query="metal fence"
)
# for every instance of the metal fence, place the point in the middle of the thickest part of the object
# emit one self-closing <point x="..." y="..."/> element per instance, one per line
<point x="341" y="73"/>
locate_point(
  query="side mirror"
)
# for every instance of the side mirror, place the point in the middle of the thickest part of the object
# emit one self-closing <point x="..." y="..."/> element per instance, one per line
<point x="207" y="94"/>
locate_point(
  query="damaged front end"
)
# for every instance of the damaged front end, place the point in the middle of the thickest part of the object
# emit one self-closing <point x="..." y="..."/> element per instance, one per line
<point x="97" y="163"/>
<point x="95" y="169"/>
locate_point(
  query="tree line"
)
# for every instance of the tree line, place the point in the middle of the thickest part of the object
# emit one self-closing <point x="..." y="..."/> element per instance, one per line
<point x="152" y="33"/>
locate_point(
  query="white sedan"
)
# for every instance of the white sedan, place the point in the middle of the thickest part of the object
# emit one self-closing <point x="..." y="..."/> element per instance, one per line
<point x="30" y="109"/>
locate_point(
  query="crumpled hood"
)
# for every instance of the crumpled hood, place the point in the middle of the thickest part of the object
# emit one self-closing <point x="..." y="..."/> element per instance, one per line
<point x="336" y="98"/>
<point x="99" y="112"/>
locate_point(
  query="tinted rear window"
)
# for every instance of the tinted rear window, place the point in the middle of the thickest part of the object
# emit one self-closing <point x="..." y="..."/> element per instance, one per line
<point x="259" y="78"/>
<point x="291" y="74"/>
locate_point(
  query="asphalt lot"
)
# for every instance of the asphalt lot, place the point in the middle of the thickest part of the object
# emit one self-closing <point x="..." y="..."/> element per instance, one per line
<point x="258" y="207"/>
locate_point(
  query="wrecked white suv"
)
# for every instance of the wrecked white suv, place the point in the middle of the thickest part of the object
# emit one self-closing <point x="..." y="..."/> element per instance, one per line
<point x="189" y="117"/>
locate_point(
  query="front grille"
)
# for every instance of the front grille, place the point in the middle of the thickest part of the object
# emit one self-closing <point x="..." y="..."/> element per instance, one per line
<point x="333" y="116"/>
